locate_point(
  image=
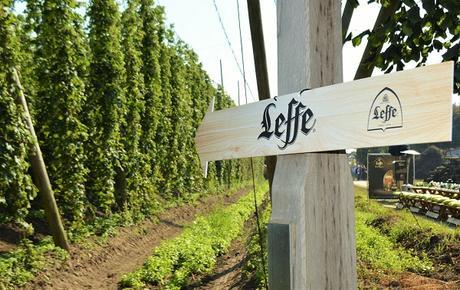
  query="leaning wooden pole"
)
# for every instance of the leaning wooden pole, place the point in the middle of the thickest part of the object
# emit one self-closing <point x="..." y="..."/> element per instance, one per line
<point x="41" y="175"/>
<point x="260" y="63"/>
<point x="312" y="227"/>
<point x="366" y="65"/>
<point x="346" y="16"/>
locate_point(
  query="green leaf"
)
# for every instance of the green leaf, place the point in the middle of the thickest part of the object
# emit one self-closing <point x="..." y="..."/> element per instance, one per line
<point x="356" y="41"/>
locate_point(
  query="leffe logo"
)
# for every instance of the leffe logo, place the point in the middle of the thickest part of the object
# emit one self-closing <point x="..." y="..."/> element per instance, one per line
<point x="286" y="127"/>
<point x="386" y="111"/>
<point x="379" y="163"/>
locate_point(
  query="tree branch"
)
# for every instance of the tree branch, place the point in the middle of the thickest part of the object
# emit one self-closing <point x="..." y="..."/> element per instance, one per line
<point x="365" y="68"/>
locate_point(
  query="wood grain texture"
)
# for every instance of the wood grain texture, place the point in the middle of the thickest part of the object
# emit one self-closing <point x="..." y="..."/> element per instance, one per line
<point x="314" y="192"/>
<point x="341" y="112"/>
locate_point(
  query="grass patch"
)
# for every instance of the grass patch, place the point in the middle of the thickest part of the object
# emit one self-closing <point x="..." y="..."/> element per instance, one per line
<point x="21" y="265"/>
<point x="388" y="242"/>
<point x="393" y="241"/>
<point x="381" y="252"/>
<point x="196" y="249"/>
<point x="405" y="229"/>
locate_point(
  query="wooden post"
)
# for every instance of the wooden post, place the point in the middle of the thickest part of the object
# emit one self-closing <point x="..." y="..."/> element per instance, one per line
<point x="41" y="176"/>
<point x="260" y="63"/>
<point x="312" y="192"/>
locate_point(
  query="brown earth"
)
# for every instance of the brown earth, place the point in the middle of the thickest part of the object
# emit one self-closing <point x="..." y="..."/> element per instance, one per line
<point x="102" y="266"/>
<point x="10" y="238"/>
<point x="229" y="270"/>
<point x="417" y="282"/>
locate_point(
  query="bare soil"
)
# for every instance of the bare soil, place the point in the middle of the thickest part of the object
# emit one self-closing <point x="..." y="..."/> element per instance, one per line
<point x="417" y="282"/>
<point x="10" y="238"/>
<point x="229" y="270"/>
<point x="102" y="266"/>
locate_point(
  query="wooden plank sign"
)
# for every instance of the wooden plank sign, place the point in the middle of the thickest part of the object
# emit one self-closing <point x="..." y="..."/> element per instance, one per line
<point x="407" y="107"/>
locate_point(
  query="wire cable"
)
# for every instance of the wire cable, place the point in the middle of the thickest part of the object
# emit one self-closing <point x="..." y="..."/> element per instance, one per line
<point x="241" y="70"/>
<point x="256" y="210"/>
<point x="259" y="231"/>
<point x="242" y="50"/>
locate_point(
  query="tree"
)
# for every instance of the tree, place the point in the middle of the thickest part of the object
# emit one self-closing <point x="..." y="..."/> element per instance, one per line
<point x="16" y="187"/>
<point x="61" y="58"/>
<point x="416" y="29"/>
<point x="106" y="105"/>
<point x="430" y="158"/>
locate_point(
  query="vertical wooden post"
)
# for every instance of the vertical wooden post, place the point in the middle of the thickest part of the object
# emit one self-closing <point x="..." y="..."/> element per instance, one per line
<point x="41" y="176"/>
<point x="313" y="193"/>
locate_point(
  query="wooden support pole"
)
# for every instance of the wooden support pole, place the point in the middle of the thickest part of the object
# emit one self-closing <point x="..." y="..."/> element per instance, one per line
<point x="313" y="192"/>
<point x="41" y="175"/>
<point x="260" y="63"/>
<point x="366" y="65"/>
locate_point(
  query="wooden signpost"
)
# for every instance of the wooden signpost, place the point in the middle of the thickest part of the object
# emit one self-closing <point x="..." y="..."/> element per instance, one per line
<point x="311" y="231"/>
<point x="407" y="107"/>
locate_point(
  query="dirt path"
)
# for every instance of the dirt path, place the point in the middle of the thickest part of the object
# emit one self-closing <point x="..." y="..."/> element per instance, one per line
<point x="102" y="266"/>
<point x="417" y="282"/>
<point x="228" y="272"/>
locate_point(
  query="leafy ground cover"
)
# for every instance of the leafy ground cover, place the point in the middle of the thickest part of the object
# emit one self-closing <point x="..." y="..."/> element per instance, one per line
<point x="391" y="242"/>
<point x="394" y="248"/>
<point x="196" y="249"/>
<point x="21" y="261"/>
<point x="20" y="266"/>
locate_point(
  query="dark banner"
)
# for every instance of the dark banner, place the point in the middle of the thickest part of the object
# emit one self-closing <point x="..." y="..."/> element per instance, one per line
<point x="387" y="173"/>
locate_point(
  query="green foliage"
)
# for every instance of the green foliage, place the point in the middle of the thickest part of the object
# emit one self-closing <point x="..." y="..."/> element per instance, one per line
<point x="402" y="228"/>
<point x="116" y="112"/>
<point x="430" y="158"/>
<point x="152" y="24"/>
<point x="138" y="187"/>
<point x="16" y="188"/>
<point x="106" y="106"/>
<point x="447" y="171"/>
<point x="21" y="265"/>
<point x="62" y="64"/>
<point x="413" y="32"/>
<point x="382" y="253"/>
<point x="196" y="249"/>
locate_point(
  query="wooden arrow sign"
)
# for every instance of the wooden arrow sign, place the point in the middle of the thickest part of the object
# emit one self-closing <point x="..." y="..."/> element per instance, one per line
<point x="407" y="107"/>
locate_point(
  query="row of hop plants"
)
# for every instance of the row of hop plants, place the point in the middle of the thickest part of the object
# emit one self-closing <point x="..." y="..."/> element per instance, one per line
<point x="196" y="249"/>
<point x="115" y="104"/>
